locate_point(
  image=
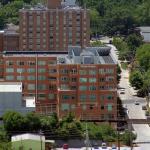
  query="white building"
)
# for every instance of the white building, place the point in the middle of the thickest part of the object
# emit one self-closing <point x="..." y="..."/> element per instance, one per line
<point x="145" y="32"/>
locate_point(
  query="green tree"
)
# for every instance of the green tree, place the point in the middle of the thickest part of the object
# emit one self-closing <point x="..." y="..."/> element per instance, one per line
<point x="32" y="122"/>
<point x="122" y="47"/>
<point x="133" y="41"/>
<point x="50" y="122"/>
<point x="143" y="56"/>
<point x="13" y="121"/>
<point x="128" y="138"/>
<point x="118" y="73"/>
<point x="96" y="43"/>
<point x="136" y="79"/>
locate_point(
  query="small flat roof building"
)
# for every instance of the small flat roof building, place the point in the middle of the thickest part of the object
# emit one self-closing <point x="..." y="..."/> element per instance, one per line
<point x="145" y="32"/>
<point x="28" y="141"/>
<point x="11" y="98"/>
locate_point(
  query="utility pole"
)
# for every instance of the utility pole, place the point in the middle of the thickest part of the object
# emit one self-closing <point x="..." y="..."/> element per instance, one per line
<point x="87" y="141"/>
<point x="41" y="137"/>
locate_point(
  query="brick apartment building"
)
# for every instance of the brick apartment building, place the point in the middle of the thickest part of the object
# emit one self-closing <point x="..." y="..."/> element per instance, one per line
<point x="62" y="79"/>
<point x="9" y="40"/>
<point x="54" y="27"/>
<point x="82" y="81"/>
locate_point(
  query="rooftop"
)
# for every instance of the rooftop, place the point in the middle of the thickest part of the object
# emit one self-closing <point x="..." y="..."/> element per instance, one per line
<point x="75" y="55"/>
<point x="67" y="5"/>
<point x="144" y="28"/>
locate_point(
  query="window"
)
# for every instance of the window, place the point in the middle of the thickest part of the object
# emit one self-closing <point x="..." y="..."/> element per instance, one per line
<point x="52" y="78"/>
<point x="92" y="80"/>
<point x="102" y="107"/>
<point x="10" y="77"/>
<point x="9" y="63"/>
<point x="64" y="71"/>
<point x="101" y="71"/>
<point x="109" y="97"/>
<point x="41" y="63"/>
<point x="101" y="79"/>
<point x="41" y="96"/>
<point x="110" y="71"/>
<point x="52" y="87"/>
<point x="31" y="77"/>
<point x="83" y="97"/>
<point x="92" y="88"/>
<point x="74" y="71"/>
<point x="92" y="72"/>
<point x="10" y="70"/>
<point x="82" y="80"/>
<point x="31" y="70"/>
<point x="102" y="87"/>
<point x="65" y="79"/>
<point x="82" y="72"/>
<point x="41" y="77"/>
<point x="65" y="97"/>
<point x="74" y="79"/>
<point x="109" y="107"/>
<point x="31" y="63"/>
<point x="19" y="78"/>
<point x="73" y="87"/>
<point x="110" y="78"/>
<point x="41" y="87"/>
<point x="64" y="87"/>
<point x="92" y="97"/>
<point x="41" y="70"/>
<point x="64" y="107"/>
<point x="82" y="88"/>
<point x="20" y="70"/>
<point x="20" y="63"/>
<point x="31" y="87"/>
<point x="51" y="96"/>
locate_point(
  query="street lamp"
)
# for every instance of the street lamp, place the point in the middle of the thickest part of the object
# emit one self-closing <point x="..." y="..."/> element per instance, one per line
<point x="41" y="133"/>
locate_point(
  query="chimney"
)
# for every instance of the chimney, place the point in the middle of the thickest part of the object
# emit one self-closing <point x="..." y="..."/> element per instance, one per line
<point x="53" y="4"/>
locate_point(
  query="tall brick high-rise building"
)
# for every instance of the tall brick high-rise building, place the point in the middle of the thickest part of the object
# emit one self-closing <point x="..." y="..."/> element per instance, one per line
<point x="55" y="27"/>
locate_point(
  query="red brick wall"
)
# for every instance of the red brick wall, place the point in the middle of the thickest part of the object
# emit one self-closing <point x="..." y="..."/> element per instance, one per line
<point x="1" y="42"/>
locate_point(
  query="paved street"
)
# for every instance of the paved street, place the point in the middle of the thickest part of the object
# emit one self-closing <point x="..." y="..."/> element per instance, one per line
<point x="134" y="111"/>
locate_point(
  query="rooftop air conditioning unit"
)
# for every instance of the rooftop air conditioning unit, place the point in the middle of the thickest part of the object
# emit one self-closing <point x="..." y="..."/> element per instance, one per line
<point x="61" y="60"/>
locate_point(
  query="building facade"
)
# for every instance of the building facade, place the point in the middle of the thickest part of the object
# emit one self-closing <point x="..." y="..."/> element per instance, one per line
<point x="82" y="81"/>
<point x="54" y="27"/>
<point x="11" y="98"/>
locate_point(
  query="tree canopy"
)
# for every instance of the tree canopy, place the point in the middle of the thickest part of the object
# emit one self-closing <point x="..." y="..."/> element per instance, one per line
<point x="117" y="16"/>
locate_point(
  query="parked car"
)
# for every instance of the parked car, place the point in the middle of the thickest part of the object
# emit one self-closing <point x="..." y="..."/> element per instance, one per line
<point x="104" y="146"/>
<point x="144" y="107"/>
<point x="114" y="147"/>
<point x="95" y="146"/>
<point x="65" y="146"/>
<point x="136" y="103"/>
<point x="122" y="91"/>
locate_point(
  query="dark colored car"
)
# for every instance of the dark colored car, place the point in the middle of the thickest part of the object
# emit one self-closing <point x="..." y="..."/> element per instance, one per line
<point x="65" y="146"/>
<point x="144" y="107"/>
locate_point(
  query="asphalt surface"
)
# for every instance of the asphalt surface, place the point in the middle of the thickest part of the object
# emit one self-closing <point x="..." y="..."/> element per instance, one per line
<point x="135" y="111"/>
